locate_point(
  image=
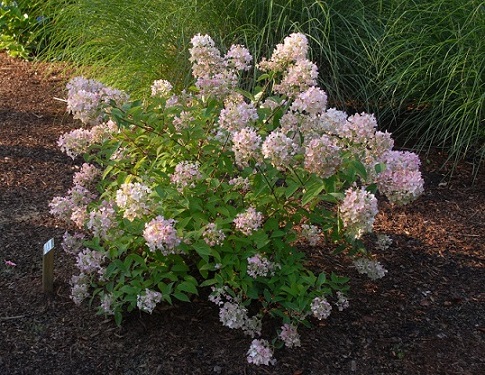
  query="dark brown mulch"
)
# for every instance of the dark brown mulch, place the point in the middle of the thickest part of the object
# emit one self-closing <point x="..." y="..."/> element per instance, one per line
<point x="425" y="317"/>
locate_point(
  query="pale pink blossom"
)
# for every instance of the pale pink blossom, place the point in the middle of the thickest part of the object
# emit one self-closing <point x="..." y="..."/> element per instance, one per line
<point x="370" y="267"/>
<point x="161" y="88"/>
<point x="185" y="174"/>
<point x="294" y="48"/>
<point x="358" y="211"/>
<point x="322" y="156"/>
<point x="290" y="336"/>
<point x="320" y="307"/>
<point x="79" y="288"/>
<point x="72" y="244"/>
<point x="87" y="176"/>
<point x="259" y="265"/>
<point x="279" y="150"/>
<point x="311" y="233"/>
<point x="246" y="147"/>
<point x="235" y="116"/>
<point x="312" y="101"/>
<point x="90" y="261"/>
<point x="148" y="301"/>
<point x="342" y="301"/>
<point x="238" y="57"/>
<point x="260" y="353"/>
<point x="133" y="199"/>
<point x="160" y="234"/>
<point x="401" y="181"/>
<point x="297" y="78"/>
<point x="213" y="236"/>
<point x="248" y="221"/>
<point x="102" y="220"/>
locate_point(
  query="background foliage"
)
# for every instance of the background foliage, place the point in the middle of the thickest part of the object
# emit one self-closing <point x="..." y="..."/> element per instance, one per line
<point x="419" y="66"/>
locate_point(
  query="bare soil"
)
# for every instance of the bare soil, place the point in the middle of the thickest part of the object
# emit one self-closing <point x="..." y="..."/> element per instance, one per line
<point x="425" y="317"/>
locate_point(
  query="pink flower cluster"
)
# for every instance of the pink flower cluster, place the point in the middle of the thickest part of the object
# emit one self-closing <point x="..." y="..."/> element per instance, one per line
<point x="88" y="98"/>
<point x="370" y="267"/>
<point x="358" y="211"/>
<point x="358" y="128"/>
<point x="312" y="101"/>
<point x="259" y="265"/>
<point x="87" y="176"/>
<point x="133" y="199"/>
<point x="238" y="57"/>
<point x="148" y="301"/>
<point x="161" y="88"/>
<point x="297" y="78"/>
<point x="233" y="314"/>
<point x="236" y="115"/>
<point x="183" y="121"/>
<point x="102" y="220"/>
<point x="320" y="307"/>
<point x="311" y="233"/>
<point x="246" y="146"/>
<point x="72" y="244"/>
<point x="342" y="301"/>
<point x="90" y="261"/>
<point x="240" y="183"/>
<point x="107" y="304"/>
<point x="294" y="48"/>
<point x="185" y="174"/>
<point x="160" y="234"/>
<point x="290" y="336"/>
<point x="401" y="181"/>
<point x="260" y="353"/>
<point x="322" y="156"/>
<point x="279" y="150"/>
<point x="73" y="206"/>
<point x="78" y="141"/>
<point x="79" y="288"/>
<point x="213" y="236"/>
<point x="248" y="221"/>
<point x="216" y="75"/>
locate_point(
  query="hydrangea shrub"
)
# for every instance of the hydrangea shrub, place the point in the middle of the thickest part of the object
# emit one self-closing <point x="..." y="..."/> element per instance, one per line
<point x="214" y="187"/>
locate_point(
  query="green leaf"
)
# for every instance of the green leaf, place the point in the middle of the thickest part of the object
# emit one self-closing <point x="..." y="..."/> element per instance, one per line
<point x="312" y="190"/>
<point x="291" y="189"/>
<point x="181" y="296"/>
<point x="187" y="286"/>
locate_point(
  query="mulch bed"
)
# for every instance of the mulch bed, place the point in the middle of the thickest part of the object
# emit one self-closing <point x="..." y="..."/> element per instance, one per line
<point x="425" y="317"/>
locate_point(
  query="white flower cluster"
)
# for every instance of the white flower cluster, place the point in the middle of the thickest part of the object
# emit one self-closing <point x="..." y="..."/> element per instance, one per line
<point x="185" y="174"/>
<point x="371" y="268"/>
<point x="248" y="221"/>
<point x="320" y="307"/>
<point x="290" y="336"/>
<point x="161" y="88"/>
<point x="88" y="99"/>
<point x="233" y="314"/>
<point x="148" y="301"/>
<point x="259" y="265"/>
<point x="213" y="236"/>
<point x="311" y="233"/>
<point x="133" y="199"/>
<point x="160" y="234"/>
<point x="260" y="353"/>
<point x="358" y="211"/>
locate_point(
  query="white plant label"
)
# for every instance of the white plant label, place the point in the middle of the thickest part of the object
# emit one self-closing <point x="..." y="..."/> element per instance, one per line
<point x="48" y="246"/>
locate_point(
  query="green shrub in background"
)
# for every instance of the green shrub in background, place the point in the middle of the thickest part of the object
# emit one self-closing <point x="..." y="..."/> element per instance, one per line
<point x="19" y="22"/>
<point x="417" y="65"/>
